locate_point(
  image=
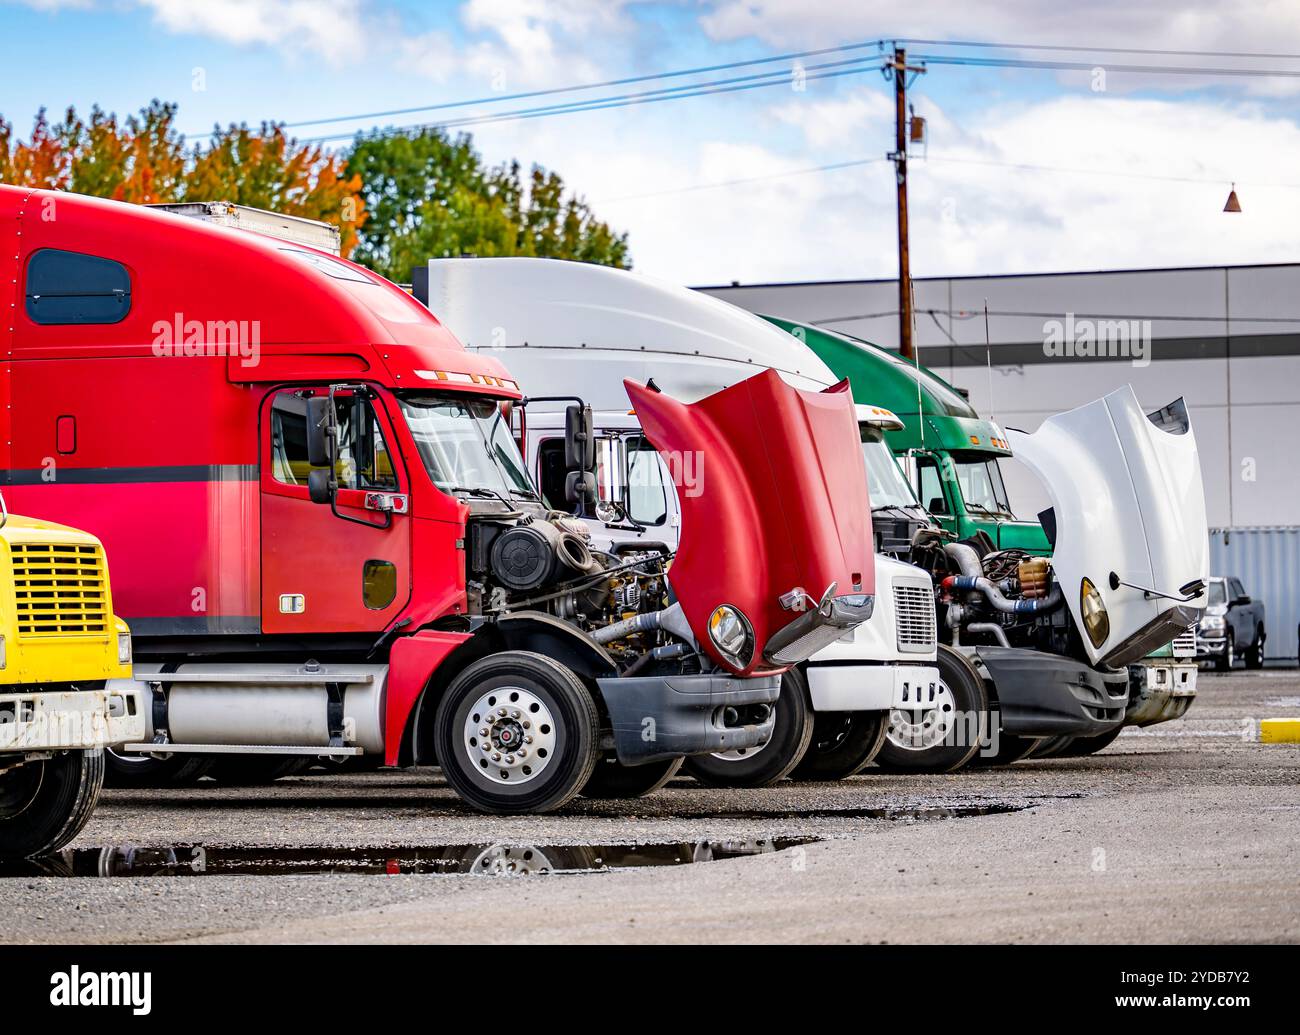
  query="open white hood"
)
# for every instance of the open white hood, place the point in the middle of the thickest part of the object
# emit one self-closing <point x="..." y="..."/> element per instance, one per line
<point x="1130" y="512"/>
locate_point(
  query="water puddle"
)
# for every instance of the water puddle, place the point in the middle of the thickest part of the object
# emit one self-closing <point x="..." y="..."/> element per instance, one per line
<point x="486" y="859"/>
<point x="489" y="859"/>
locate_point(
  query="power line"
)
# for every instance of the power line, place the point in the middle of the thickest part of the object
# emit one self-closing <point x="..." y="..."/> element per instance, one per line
<point x="984" y="44"/>
<point x="1084" y="66"/>
<point x="741" y="83"/>
<point x="776" y="58"/>
<point x="553" y="91"/>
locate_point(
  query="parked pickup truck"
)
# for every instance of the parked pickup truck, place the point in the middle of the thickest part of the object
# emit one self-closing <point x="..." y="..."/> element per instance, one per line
<point x="1232" y="626"/>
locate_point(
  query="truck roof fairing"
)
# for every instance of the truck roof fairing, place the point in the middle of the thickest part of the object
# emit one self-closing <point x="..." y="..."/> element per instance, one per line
<point x="311" y="315"/>
<point x="562" y="317"/>
<point x="935" y="414"/>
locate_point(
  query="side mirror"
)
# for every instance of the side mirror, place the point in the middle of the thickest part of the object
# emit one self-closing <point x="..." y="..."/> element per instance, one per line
<point x="579" y="439"/>
<point x="1241" y="601"/>
<point x="580" y="487"/>
<point x="320" y="485"/>
<point x="320" y="425"/>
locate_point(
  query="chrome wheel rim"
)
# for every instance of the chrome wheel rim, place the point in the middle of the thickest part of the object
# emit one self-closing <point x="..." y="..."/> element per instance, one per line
<point x="511" y="859"/>
<point x="923" y="728"/>
<point x="509" y="736"/>
<point x="739" y="754"/>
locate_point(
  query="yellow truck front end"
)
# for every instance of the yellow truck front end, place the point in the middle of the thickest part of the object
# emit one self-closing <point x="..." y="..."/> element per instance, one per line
<point x="60" y="644"/>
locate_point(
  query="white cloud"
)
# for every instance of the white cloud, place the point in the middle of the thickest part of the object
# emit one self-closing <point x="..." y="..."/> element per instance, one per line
<point x="1174" y="24"/>
<point x="333" y="29"/>
<point x="1242" y="25"/>
<point x="965" y="218"/>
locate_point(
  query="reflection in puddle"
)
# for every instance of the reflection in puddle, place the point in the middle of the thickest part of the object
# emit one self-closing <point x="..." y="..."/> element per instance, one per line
<point x="488" y="859"/>
<point x="189" y="860"/>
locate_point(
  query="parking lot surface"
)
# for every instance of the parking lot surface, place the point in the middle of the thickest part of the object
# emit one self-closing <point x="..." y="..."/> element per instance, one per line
<point x="1184" y="832"/>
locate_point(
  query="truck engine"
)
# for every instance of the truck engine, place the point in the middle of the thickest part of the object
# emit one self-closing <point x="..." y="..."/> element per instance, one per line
<point x="1008" y="598"/>
<point x="543" y="560"/>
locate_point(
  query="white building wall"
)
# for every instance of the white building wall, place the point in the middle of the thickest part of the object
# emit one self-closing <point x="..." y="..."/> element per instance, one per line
<point x="1227" y="339"/>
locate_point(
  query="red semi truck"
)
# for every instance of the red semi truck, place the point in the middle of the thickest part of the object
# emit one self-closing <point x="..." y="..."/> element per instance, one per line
<point x="326" y="544"/>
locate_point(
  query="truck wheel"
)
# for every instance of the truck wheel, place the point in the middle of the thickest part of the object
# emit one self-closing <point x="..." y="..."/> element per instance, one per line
<point x="1051" y="747"/>
<point x="611" y="780"/>
<point x="132" y="770"/>
<point x="1011" y="748"/>
<point x="943" y="734"/>
<point x="517" y="732"/>
<point x="255" y="770"/>
<point x="1255" y="653"/>
<point x="44" y="805"/>
<point x="842" y="744"/>
<point x="1081" y="746"/>
<point x="1224" y="661"/>
<point x="762" y="766"/>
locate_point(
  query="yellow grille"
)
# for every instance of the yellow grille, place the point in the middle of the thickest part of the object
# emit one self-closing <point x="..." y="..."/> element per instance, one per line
<point x="60" y="588"/>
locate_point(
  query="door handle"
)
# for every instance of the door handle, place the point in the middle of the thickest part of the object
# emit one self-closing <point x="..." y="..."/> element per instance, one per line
<point x="388" y="502"/>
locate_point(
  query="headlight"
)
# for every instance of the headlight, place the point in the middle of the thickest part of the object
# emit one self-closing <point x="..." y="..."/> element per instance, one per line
<point x="124" y="648"/>
<point x="732" y="634"/>
<point x="1095" y="620"/>
<point x="1212" y="623"/>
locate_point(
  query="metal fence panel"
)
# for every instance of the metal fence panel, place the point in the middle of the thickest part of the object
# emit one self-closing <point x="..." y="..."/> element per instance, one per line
<point x="1267" y="560"/>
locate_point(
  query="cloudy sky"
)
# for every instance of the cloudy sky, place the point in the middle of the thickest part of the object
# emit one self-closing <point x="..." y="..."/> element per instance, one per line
<point x="1025" y="169"/>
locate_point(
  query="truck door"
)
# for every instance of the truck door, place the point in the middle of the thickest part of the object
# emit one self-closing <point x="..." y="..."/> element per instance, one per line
<point x="323" y="573"/>
<point x="934" y="493"/>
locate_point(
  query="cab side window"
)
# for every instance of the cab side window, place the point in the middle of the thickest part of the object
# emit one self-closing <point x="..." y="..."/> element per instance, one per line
<point x="364" y="459"/>
<point x="551" y="473"/>
<point x="74" y="288"/>
<point x="931" y="487"/>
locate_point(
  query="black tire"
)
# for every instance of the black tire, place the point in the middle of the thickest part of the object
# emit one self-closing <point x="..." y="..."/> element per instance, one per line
<point x="132" y="770"/>
<point x="843" y="743"/>
<point x="255" y="770"/>
<point x="1050" y="747"/>
<point x="44" y="805"/>
<point x="763" y="766"/>
<point x="968" y="698"/>
<point x="530" y="686"/>
<point x="1223" y="663"/>
<point x="1255" y="652"/>
<point x="1011" y="748"/>
<point x="611" y="780"/>
<point x="1082" y="746"/>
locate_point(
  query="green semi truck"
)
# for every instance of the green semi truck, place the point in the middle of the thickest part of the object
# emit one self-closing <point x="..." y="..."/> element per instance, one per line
<point x="950" y="456"/>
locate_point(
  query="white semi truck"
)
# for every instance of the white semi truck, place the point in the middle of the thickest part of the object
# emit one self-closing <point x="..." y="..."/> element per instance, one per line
<point x="576" y="330"/>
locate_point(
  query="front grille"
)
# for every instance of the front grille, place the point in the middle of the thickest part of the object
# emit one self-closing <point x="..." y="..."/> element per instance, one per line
<point x="1185" y="644"/>
<point x="60" y="589"/>
<point x="914" y="613"/>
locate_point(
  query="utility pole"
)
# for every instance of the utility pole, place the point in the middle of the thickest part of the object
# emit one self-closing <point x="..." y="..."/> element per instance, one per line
<point x="899" y="158"/>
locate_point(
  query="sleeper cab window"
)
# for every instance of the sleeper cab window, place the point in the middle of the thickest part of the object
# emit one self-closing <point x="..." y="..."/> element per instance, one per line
<point x="75" y="288"/>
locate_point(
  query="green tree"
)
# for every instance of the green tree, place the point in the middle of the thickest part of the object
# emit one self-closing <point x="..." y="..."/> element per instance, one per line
<point x="431" y="195"/>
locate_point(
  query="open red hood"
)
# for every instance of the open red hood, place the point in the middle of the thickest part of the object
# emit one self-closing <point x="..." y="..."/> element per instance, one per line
<point x="774" y="499"/>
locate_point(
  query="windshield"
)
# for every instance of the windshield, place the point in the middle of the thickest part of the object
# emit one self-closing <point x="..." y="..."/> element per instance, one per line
<point x="981" y="485"/>
<point x="466" y="444"/>
<point x="887" y="485"/>
<point x="1217" y="596"/>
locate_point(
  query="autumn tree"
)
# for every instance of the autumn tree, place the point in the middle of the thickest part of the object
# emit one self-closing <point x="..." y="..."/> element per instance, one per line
<point x="143" y="159"/>
<point x="431" y="195"/>
<point x="272" y="171"/>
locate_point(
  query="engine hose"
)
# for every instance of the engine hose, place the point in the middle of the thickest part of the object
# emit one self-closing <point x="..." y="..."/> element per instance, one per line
<point x="637" y="623"/>
<point x="999" y="600"/>
<point x="993" y="629"/>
